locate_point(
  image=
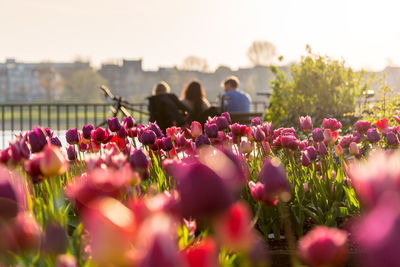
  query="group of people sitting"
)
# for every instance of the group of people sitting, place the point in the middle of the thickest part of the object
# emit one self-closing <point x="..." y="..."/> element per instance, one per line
<point x="167" y="110"/>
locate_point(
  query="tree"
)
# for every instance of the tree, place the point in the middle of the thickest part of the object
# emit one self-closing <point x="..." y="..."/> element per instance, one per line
<point x="261" y="53"/>
<point x="195" y="63"/>
<point x="317" y="86"/>
<point x="84" y="85"/>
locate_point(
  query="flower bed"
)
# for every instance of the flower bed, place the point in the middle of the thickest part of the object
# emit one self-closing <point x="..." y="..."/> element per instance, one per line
<point x="132" y="196"/>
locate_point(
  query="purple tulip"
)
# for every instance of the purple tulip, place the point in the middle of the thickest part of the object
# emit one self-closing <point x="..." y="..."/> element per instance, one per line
<point x="311" y="152"/>
<point x="305" y="159"/>
<point x="55" y="240"/>
<point x="87" y="131"/>
<point x="202" y="140"/>
<point x="306" y="123"/>
<point x="255" y="121"/>
<point x="9" y="204"/>
<point x="55" y="141"/>
<point x="100" y="135"/>
<point x="273" y="177"/>
<point x="139" y="160"/>
<point x="258" y="134"/>
<point x="166" y="143"/>
<point x="373" y="136"/>
<point x="211" y="130"/>
<point x="148" y="138"/>
<point x="114" y="124"/>
<point x="357" y="137"/>
<point x="154" y="127"/>
<point x="71" y="153"/>
<point x="363" y="126"/>
<point x="72" y="136"/>
<point x="391" y="139"/>
<point x="122" y="132"/>
<point x="203" y="194"/>
<point x="129" y="122"/>
<point x="318" y="135"/>
<point x="227" y="116"/>
<point x="222" y="123"/>
<point x="37" y="139"/>
<point x="322" y="149"/>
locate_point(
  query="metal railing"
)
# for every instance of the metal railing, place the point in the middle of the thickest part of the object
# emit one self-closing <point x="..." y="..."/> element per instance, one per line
<point x="16" y="118"/>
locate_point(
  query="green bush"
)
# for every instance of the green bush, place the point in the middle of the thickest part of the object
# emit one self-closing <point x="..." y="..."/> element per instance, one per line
<point x="317" y="86"/>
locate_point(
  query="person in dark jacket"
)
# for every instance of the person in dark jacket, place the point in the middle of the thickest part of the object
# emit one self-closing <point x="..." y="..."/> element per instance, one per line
<point x="165" y="107"/>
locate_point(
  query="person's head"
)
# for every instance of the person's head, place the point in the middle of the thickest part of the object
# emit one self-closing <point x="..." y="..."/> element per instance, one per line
<point x="230" y="83"/>
<point x="193" y="92"/>
<point x="161" y="88"/>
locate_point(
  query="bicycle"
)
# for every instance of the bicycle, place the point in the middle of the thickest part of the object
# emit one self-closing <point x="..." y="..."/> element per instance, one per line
<point x="119" y="105"/>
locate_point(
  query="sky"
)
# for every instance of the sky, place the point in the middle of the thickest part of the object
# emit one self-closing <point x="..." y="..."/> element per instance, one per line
<point x="365" y="33"/>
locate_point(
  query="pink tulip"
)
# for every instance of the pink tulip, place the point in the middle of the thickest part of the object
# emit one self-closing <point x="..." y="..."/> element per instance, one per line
<point x="66" y="260"/>
<point x="324" y="246"/>
<point x="363" y="126"/>
<point x="25" y="233"/>
<point x="306" y="123"/>
<point x="354" y="150"/>
<point x="246" y="147"/>
<point x="195" y="129"/>
<point x="331" y="124"/>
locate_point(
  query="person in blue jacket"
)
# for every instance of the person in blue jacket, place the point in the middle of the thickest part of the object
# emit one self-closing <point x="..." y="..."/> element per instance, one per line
<point x="234" y="100"/>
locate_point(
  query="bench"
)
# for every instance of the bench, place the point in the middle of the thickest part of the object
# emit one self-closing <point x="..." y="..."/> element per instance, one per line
<point x="245" y="118"/>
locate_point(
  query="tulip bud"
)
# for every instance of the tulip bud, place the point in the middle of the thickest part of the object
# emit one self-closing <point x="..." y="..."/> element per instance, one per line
<point x="55" y="141"/>
<point x="154" y="127"/>
<point x="222" y="123"/>
<point x="71" y="153"/>
<point x="202" y="253"/>
<point x="52" y="161"/>
<point x="258" y="134"/>
<point x="72" y="136"/>
<point x="266" y="147"/>
<point x="195" y="129"/>
<point x="37" y="139"/>
<point x="311" y="152"/>
<point x="322" y="150"/>
<point x="166" y="143"/>
<point x="318" y="135"/>
<point x="305" y="160"/>
<point x="246" y="147"/>
<point x="122" y="132"/>
<point x="9" y="203"/>
<point x="211" y="130"/>
<point x="306" y="123"/>
<point x="129" y="122"/>
<point x="87" y="131"/>
<point x="114" y="124"/>
<point x="100" y="135"/>
<point x="274" y="179"/>
<point x="354" y="149"/>
<point x="202" y="140"/>
<point x="148" y="138"/>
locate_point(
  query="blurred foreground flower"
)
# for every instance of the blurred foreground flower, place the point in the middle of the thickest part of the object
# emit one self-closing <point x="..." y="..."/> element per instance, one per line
<point x="324" y="246"/>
